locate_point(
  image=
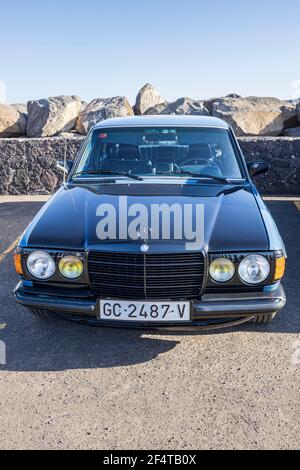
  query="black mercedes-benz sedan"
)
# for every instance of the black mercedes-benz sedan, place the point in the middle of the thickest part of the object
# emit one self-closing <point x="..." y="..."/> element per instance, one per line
<point x="158" y="224"/>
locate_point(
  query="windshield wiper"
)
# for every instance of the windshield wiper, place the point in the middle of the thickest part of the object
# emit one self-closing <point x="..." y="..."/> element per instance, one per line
<point x="231" y="189"/>
<point x="197" y="175"/>
<point x="204" y="175"/>
<point x="109" y="172"/>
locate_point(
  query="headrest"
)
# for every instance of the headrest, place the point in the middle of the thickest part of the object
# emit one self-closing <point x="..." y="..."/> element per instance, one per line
<point x="128" y="151"/>
<point x="200" y="151"/>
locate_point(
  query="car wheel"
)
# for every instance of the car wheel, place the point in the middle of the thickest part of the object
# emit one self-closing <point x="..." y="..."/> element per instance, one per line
<point x="267" y="318"/>
<point x="39" y="312"/>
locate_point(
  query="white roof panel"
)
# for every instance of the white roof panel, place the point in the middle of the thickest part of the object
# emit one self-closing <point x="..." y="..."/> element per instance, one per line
<point x="163" y="120"/>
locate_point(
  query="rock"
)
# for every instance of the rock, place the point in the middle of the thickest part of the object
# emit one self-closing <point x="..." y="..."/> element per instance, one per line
<point x="292" y="132"/>
<point x="147" y="97"/>
<point x="12" y="123"/>
<point x="298" y="111"/>
<point x="100" y="109"/>
<point x="22" y="109"/>
<point x="160" y="108"/>
<point x="48" y="117"/>
<point x="186" y="106"/>
<point x="70" y="135"/>
<point x="255" y="115"/>
<point x="233" y="95"/>
<point x="209" y="103"/>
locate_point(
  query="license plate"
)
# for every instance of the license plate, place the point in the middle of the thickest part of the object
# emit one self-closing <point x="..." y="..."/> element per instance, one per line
<point x="127" y="310"/>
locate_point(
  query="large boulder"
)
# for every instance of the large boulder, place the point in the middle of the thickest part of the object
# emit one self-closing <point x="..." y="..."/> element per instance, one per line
<point x="100" y="109"/>
<point x="161" y="108"/>
<point x="292" y="132"/>
<point x="12" y="123"/>
<point x="255" y="115"/>
<point x="209" y="103"/>
<point x="22" y="109"/>
<point x="233" y="95"/>
<point x="48" y="117"/>
<point x="186" y="106"/>
<point x="147" y="97"/>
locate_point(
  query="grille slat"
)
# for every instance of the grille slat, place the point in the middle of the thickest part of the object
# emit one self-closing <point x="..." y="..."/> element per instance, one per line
<point x="146" y="276"/>
<point x="149" y="276"/>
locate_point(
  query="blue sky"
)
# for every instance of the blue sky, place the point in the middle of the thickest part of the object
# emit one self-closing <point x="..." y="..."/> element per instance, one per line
<point x="195" y="48"/>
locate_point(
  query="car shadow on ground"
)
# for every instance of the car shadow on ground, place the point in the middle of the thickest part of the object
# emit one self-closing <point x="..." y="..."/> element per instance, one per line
<point x="34" y="344"/>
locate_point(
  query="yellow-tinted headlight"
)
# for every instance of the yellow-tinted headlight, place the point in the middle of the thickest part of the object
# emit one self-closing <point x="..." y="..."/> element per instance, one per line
<point x="222" y="269"/>
<point x="70" y="267"/>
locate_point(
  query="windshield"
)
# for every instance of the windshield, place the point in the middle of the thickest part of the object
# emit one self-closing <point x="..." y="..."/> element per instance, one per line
<point x="159" y="151"/>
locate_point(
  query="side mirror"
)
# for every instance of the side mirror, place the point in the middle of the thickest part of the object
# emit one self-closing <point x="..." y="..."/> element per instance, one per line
<point x="64" y="167"/>
<point x="258" y="167"/>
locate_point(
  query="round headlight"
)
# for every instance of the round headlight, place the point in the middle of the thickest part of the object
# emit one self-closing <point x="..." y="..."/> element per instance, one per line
<point x="254" y="269"/>
<point x="40" y="264"/>
<point x="222" y="269"/>
<point x="70" y="267"/>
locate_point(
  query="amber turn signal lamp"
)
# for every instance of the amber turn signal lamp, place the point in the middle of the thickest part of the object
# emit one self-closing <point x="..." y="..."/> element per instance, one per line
<point x="18" y="263"/>
<point x="279" y="268"/>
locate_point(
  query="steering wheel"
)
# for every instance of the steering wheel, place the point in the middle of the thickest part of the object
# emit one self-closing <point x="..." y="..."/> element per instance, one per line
<point x="199" y="161"/>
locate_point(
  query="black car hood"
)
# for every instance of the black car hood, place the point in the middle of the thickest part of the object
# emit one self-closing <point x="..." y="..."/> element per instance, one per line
<point x="232" y="221"/>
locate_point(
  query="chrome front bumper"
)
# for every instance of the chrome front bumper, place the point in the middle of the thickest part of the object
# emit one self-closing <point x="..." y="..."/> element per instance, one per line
<point x="243" y="304"/>
<point x="215" y="310"/>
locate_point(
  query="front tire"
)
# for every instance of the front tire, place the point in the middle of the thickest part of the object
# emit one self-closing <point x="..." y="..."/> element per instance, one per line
<point x="266" y="318"/>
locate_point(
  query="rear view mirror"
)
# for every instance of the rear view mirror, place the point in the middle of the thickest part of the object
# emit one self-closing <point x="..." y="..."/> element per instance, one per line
<point x="160" y="136"/>
<point x="64" y="167"/>
<point x="258" y="167"/>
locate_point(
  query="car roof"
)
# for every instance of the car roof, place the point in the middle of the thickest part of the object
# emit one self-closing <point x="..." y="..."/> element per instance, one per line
<point x="163" y="120"/>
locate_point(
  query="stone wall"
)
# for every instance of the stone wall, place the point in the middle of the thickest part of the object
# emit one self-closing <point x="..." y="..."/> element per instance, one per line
<point x="28" y="166"/>
<point x="283" y="154"/>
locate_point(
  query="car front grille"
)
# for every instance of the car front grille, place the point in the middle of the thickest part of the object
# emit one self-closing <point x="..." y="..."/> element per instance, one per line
<point x="146" y="276"/>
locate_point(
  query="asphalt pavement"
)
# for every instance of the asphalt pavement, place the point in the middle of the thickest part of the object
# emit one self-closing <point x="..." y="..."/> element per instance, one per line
<point x="65" y="386"/>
